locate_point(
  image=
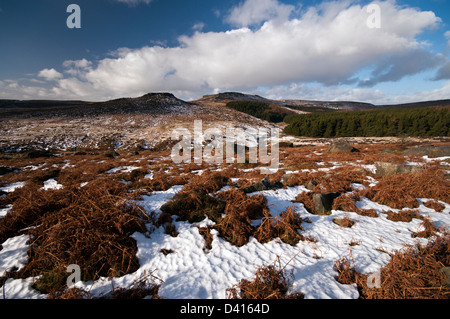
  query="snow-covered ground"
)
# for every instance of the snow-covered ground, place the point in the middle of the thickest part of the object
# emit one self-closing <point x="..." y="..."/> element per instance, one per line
<point x="191" y="273"/>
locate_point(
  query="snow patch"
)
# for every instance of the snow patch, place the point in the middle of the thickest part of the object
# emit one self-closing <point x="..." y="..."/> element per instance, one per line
<point x="14" y="253"/>
<point x="12" y="187"/>
<point x="52" y="184"/>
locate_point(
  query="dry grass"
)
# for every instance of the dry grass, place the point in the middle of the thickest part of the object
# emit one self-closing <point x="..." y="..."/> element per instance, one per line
<point x="30" y="204"/>
<point x="401" y="190"/>
<point x="398" y="191"/>
<point x="286" y="227"/>
<point x="412" y="273"/>
<point x="438" y="207"/>
<point x="240" y="210"/>
<point x="89" y="226"/>
<point x="368" y="213"/>
<point x="306" y="199"/>
<point x="346" y="202"/>
<point x="428" y="229"/>
<point x="347" y="274"/>
<point x="344" y="222"/>
<point x="145" y="286"/>
<point x="340" y="180"/>
<point x="194" y="204"/>
<point x="206" y="233"/>
<point x="270" y="282"/>
<point x="403" y="215"/>
<point x="165" y="219"/>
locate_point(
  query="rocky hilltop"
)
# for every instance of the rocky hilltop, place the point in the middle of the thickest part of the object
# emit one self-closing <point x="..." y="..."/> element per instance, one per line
<point x="148" y="103"/>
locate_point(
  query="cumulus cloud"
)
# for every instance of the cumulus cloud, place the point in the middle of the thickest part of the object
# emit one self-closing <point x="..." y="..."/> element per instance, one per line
<point x="443" y="73"/>
<point x="198" y="26"/>
<point x="320" y="92"/>
<point x="50" y="74"/>
<point x="316" y="92"/>
<point x="77" y="67"/>
<point x="253" y="12"/>
<point x="273" y="45"/>
<point x="395" y="67"/>
<point x="326" y="44"/>
<point x="447" y="35"/>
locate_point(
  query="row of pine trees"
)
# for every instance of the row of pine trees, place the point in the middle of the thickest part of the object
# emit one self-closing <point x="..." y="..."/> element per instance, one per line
<point x="378" y="123"/>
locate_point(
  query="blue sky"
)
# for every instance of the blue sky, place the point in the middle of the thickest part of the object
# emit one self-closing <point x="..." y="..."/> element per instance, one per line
<point x="288" y="49"/>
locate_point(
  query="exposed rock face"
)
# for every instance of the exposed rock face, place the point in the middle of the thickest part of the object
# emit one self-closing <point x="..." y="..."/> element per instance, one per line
<point x="389" y="169"/>
<point x="429" y="150"/>
<point x="262" y="186"/>
<point x="286" y="144"/>
<point x="323" y="203"/>
<point x="425" y="150"/>
<point x="341" y="147"/>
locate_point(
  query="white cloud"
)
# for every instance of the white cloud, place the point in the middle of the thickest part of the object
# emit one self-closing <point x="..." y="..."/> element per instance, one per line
<point x="50" y="74"/>
<point x="322" y="93"/>
<point x="77" y="67"/>
<point x="447" y="35"/>
<point x="327" y="44"/>
<point x="335" y="93"/>
<point x="198" y="26"/>
<point x="83" y="63"/>
<point x="251" y="12"/>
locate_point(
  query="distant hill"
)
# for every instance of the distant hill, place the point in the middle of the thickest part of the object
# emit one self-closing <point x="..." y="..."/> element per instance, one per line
<point x="417" y="104"/>
<point x="36" y="104"/>
<point x="152" y="102"/>
<point x="316" y="105"/>
<point x="166" y="102"/>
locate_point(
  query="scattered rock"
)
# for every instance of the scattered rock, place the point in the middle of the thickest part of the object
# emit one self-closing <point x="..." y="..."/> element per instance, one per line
<point x="341" y="146"/>
<point x="311" y="184"/>
<point x="37" y="154"/>
<point x="262" y="186"/>
<point x="323" y="203"/>
<point x="344" y="222"/>
<point x="286" y="144"/>
<point x="429" y="150"/>
<point x="389" y="169"/>
<point x="111" y="154"/>
<point x="166" y="252"/>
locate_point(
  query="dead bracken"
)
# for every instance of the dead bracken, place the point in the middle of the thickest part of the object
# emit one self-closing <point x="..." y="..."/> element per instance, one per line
<point x="92" y="220"/>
